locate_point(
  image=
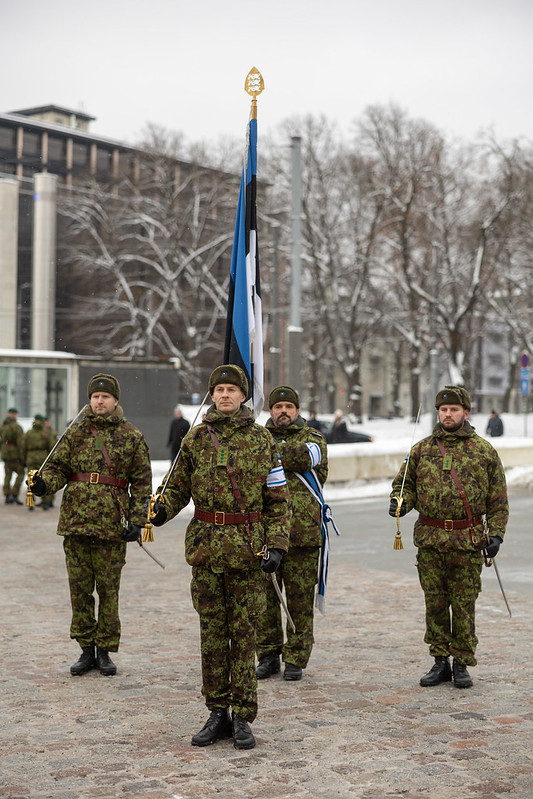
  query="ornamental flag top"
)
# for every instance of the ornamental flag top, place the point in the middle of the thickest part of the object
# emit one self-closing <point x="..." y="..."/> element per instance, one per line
<point x="244" y="323"/>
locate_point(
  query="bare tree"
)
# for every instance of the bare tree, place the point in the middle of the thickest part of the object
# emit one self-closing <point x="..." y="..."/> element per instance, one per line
<point x="147" y="264"/>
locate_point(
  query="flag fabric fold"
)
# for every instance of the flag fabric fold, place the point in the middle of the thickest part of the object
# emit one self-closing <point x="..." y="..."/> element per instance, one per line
<point x="311" y="481"/>
<point x="244" y="324"/>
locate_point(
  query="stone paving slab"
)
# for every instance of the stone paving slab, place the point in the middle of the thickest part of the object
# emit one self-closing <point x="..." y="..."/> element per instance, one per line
<point x="358" y="726"/>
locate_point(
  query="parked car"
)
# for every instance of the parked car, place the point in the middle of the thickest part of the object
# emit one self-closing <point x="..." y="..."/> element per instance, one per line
<point x="350" y="436"/>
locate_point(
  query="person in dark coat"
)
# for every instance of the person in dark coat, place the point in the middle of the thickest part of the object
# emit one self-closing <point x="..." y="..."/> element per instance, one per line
<point x="495" y="425"/>
<point x="178" y="427"/>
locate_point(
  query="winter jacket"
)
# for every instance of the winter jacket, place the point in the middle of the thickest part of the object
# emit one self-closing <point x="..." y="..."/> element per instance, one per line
<point x="302" y="448"/>
<point x="431" y="490"/>
<point x="96" y="509"/>
<point x="253" y="456"/>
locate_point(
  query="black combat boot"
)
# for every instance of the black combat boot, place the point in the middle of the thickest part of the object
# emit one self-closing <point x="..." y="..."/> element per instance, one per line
<point x="440" y="672"/>
<point x="15" y="500"/>
<point x="104" y="663"/>
<point x="268" y="665"/>
<point x="217" y="726"/>
<point x="292" y="672"/>
<point x="242" y="735"/>
<point x="85" y="662"/>
<point x="461" y="677"/>
<point x="9" y="499"/>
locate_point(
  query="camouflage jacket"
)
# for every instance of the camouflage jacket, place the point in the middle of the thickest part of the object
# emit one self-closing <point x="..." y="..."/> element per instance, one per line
<point x="12" y="437"/>
<point x="37" y="444"/>
<point x="302" y="448"/>
<point x="96" y="509"/>
<point x="254" y="458"/>
<point x="431" y="490"/>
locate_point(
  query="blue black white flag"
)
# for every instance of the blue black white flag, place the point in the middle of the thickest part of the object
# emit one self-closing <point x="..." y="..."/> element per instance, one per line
<point x="244" y="323"/>
<point x="312" y="482"/>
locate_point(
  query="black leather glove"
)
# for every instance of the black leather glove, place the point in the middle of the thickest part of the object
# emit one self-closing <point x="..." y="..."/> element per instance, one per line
<point x="271" y="562"/>
<point x="394" y="506"/>
<point x="132" y="532"/>
<point x="160" y="514"/>
<point x="38" y="486"/>
<point x="493" y="546"/>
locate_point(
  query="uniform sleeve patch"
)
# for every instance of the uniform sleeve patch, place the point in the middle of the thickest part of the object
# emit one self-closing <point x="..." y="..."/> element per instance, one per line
<point x="276" y="477"/>
<point x="314" y="452"/>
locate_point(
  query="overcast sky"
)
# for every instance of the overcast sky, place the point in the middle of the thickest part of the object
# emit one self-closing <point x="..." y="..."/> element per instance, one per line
<point x="464" y="65"/>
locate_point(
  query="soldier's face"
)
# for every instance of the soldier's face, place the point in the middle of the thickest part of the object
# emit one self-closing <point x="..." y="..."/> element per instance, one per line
<point x="227" y="398"/>
<point x="283" y="414"/>
<point x="452" y="417"/>
<point x="102" y="403"/>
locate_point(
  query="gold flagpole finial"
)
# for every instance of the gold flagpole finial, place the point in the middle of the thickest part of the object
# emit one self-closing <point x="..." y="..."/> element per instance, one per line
<point x="254" y="85"/>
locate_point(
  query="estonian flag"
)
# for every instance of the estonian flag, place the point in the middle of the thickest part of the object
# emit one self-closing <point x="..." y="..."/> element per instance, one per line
<point x="244" y="324"/>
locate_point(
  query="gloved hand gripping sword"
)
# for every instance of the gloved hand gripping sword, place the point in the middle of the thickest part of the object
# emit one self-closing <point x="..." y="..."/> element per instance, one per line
<point x="272" y="575"/>
<point x="399" y="500"/>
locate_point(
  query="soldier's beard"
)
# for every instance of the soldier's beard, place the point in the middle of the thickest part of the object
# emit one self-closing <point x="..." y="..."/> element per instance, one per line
<point x="452" y="427"/>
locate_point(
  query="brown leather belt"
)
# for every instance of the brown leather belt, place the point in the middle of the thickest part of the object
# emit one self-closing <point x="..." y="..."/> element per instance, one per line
<point x="450" y="524"/>
<point x="220" y="517"/>
<point x="95" y="478"/>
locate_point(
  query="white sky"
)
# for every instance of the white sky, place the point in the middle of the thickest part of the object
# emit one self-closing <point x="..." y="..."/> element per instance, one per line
<point x="464" y="65"/>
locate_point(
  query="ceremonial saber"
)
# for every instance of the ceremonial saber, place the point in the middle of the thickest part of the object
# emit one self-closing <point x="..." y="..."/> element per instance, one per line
<point x="501" y="588"/>
<point x="281" y="599"/>
<point x="398" y="537"/>
<point x="59" y="440"/>
<point x="149" y="553"/>
<point x="174" y="462"/>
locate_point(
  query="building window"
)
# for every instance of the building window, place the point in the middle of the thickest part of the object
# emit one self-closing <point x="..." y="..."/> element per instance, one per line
<point x="8" y="138"/>
<point x="32" y="143"/>
<point x="80" y="155"/>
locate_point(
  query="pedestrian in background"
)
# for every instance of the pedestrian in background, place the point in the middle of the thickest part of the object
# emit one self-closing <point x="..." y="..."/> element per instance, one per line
<point x="38" y="442"/>
<point x="495" y="425"/>
<point x="231" y="468"/>
<point x="301" y="448"/>
<point x="178" y="427"/>
<point x="314" y="422"/>
<point x="455" y="479"/>
<point x="104" y="464"/>
<point x="12" y="452"/>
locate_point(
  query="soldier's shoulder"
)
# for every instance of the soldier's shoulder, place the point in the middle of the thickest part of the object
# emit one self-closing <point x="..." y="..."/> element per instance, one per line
<point x="314" y="435"/>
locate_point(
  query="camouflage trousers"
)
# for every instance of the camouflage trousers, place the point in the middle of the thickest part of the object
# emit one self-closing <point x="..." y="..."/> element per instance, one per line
<point x="12" y="467"/>
<point x="451" y="581"/>
<point x="228" y="605"/>
<point x="298" y="574"/>
<point x="93" y="563"/>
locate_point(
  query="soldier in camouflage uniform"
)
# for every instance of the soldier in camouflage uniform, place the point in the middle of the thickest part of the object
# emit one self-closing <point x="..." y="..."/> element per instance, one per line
<point x="450" y="557"/>
<point x="224" y="543"/>
<point x="104" y="463"/>
<point x="37" y="444"/>
<point x="302" y="448"/>
<point x="12" y="453"/>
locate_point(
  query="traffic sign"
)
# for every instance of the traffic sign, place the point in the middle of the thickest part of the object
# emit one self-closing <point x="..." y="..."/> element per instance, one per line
<point x="524" y="381"/>
<point x="524" y="360"/>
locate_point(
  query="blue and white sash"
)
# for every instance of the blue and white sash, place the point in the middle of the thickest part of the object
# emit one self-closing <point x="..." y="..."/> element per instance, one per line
<point x="311" y="481"/>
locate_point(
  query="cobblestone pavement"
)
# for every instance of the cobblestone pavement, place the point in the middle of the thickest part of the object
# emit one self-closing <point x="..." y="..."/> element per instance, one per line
<point x="357" y="725"/>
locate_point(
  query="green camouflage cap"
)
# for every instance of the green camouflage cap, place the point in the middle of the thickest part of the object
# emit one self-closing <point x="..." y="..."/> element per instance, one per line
<point x="453" y="395"/>
<point x="228" y="373"/>
<point x="283" y="394"/>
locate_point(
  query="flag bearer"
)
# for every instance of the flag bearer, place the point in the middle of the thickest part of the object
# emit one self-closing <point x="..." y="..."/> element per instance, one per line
<point x="230" y="467"/>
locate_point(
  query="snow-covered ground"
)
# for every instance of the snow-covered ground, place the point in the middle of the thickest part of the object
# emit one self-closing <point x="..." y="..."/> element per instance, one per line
<point x="398" y="435"/>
